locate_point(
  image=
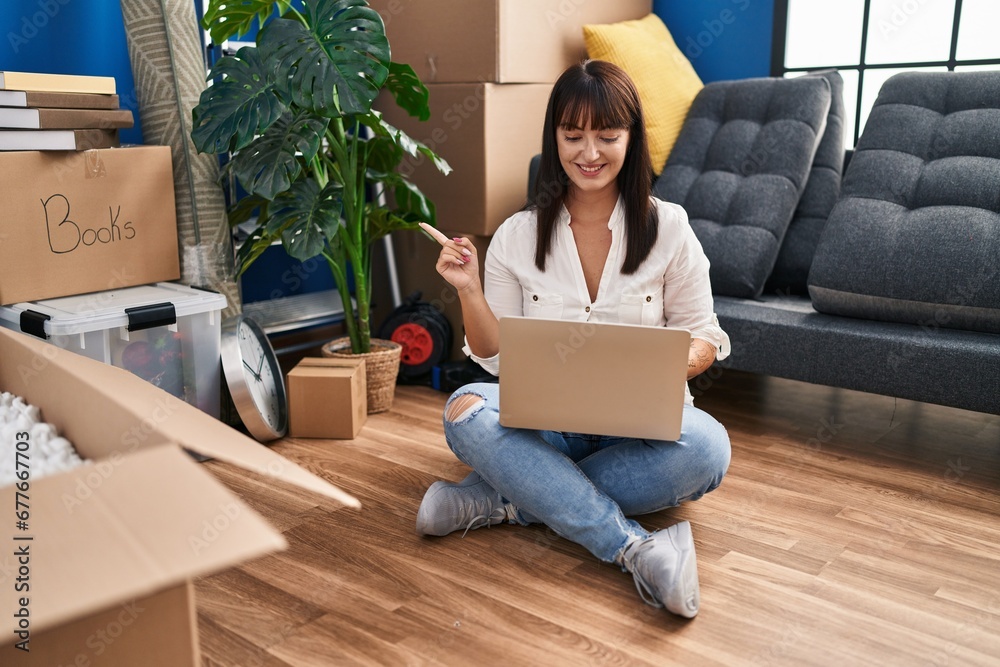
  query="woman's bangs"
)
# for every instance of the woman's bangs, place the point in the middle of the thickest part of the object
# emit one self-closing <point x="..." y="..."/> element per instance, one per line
<point x="591" y="104"/>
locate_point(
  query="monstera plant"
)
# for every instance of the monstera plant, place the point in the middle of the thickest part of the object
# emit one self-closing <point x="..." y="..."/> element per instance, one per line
<point x="296" y="113"/>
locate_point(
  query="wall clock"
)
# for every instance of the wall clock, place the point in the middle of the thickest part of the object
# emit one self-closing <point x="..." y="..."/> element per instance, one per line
<point x="254" y="378"/>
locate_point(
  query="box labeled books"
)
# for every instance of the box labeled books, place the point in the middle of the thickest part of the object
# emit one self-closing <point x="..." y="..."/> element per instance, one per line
<point x="78" y="222"/>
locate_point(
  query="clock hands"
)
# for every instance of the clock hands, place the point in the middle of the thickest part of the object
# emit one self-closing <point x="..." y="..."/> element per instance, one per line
<point x="250" y="368"/>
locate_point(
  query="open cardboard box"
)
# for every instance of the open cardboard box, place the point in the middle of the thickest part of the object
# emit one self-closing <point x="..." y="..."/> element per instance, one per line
<point x="102" y="575"/>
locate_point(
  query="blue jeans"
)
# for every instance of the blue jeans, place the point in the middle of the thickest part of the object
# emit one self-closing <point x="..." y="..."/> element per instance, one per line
<point x="583" y="486"/>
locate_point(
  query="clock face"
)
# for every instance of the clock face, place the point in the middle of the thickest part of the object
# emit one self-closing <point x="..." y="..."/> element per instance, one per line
<point x="260" y="377"/>
<point x="254" y="378"/>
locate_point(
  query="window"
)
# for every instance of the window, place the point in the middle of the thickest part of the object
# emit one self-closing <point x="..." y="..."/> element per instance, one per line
<point x="870" y="40"/>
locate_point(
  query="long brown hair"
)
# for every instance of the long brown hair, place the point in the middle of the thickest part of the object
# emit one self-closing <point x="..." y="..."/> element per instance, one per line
<point x="603" y="94"/>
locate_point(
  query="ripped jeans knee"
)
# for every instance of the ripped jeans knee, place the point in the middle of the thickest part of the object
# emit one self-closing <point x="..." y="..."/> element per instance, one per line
<point x="462" y="407"/>
<point x="469" y="400"/>
<point x="471" y="420"/>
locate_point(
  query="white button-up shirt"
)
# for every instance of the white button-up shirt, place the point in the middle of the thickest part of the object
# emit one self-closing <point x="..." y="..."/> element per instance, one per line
<point x="671" y="288"/>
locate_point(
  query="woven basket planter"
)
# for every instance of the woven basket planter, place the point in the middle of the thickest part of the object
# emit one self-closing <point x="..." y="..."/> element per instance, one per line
<point x="381" y="369"/>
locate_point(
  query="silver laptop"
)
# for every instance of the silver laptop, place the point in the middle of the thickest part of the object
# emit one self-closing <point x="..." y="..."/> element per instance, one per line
<point x="597" y="378"/>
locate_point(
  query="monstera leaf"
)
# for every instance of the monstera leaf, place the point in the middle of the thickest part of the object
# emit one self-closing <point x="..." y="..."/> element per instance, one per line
<point x="306" y="217"/>
<point x="405" y="142"/>
<point x="410" y="201"/>
<point x="244" y="104"/>
<point x="410" y="93"/>
<point x="244" y="209"/>
<point x="251" y="249"/>
<point x="269" y="165"/>
<point x="383" y="155"/>
<point x="228" y="19"/>
<point x="336" y="63"/>
<point x="382" y="222"/>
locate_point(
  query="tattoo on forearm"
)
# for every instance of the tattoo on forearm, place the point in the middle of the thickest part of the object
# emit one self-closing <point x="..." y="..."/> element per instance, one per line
<point x="698" y="357"/>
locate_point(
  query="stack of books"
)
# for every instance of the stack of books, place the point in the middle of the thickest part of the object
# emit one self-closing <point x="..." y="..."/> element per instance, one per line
<point x="59" y="112"/>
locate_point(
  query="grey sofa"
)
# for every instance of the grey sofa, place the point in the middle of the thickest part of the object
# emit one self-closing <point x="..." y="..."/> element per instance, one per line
<point x="897" y="290"/>
<point x="903" y="288"/>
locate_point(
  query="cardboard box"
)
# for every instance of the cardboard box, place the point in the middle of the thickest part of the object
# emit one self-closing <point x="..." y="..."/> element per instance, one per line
<point x="416" y="257"/>
<point x="327" y="398"/>
<point x="77" y="222"/>
<point x="488" y="133"/>
<point x="497" y="41"/>
<point x="109" y="549"/>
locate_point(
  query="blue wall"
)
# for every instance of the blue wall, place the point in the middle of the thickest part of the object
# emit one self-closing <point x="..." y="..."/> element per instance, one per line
<point x="69" y="37"/>
<point x="723" y="39"/>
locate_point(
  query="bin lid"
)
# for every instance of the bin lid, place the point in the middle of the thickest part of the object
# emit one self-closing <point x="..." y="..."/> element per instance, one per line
<point x="98" y="311"/>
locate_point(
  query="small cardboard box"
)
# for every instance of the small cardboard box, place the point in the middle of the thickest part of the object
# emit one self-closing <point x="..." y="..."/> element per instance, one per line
<point x="89" y="221"/>
<point x="497" y="41"/>
<point x="100" y="572"/>
<point x="327" y="398"/>
<point x="416" y="257"/>
<point x="488" y="133"/>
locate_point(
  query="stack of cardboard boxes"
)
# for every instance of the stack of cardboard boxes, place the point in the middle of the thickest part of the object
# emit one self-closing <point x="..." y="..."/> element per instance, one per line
<point x="88" y="232"/>
<point x="489" y="66"/>
<point x="77" y="217"/>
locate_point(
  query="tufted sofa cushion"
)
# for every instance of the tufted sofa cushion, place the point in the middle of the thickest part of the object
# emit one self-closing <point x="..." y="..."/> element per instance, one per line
<point x="791" y="269"/>
<point x="738" y="168"/>
<point x="915" y="235"/>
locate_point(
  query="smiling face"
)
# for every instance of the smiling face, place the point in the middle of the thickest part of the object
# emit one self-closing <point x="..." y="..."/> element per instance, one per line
<point x="592" y="158"/>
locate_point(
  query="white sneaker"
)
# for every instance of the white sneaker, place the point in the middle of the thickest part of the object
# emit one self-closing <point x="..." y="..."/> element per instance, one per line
<point x="665" y="569"/>
<point x="469" y="504"/>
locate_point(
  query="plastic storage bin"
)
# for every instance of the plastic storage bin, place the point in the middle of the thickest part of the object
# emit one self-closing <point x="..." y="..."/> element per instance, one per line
<point x="167" y="334"/>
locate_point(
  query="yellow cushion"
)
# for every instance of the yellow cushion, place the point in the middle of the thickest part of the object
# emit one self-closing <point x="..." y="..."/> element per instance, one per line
<point x="665" y="79"/>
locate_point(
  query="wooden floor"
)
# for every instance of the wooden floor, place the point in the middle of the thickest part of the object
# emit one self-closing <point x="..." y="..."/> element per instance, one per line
<point x="852" y="529"/>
